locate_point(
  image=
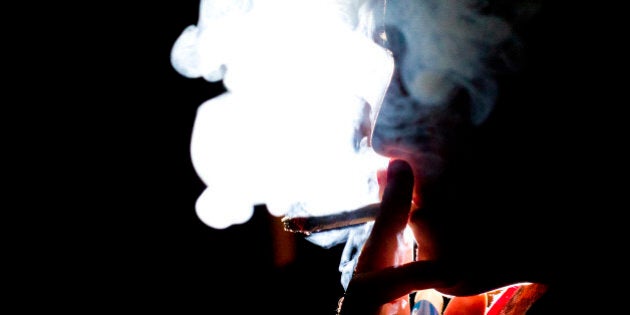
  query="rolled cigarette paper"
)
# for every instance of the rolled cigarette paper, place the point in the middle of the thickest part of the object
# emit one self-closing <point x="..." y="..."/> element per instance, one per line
<point x="312" y="224"/>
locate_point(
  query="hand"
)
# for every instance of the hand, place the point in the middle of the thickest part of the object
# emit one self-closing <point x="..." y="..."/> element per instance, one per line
<point x="385" y="274"/>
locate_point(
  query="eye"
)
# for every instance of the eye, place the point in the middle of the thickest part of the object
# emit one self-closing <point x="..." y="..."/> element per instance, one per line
<point x="394" y="40"/>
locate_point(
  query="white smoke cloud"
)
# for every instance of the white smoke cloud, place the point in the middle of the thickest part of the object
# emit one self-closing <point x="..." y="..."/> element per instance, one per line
<point x="448" y="43"/>
<point x="299" y="75"/>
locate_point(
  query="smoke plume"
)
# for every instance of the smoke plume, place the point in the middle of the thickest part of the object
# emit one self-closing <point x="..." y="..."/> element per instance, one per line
<point x="321" y="93"/>
<point x="292" y="130"/>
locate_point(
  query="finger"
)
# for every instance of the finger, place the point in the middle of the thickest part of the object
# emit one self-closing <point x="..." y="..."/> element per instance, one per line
<point x="369" y="290"/>
<point x="386" y="245"/>
<point x="396" y="198"/>
<point x="467" y="305"/>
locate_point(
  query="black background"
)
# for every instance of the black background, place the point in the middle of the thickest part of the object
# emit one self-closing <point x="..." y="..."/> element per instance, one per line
<point x="104" y="183"/>
<point x="109" y="188"/>
<point x="169" y="253"/>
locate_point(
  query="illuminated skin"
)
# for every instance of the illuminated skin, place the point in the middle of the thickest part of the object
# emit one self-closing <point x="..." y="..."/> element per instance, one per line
<point x="378" y="286"/>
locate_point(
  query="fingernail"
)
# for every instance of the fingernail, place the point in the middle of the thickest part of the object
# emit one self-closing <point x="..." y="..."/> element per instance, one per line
<point x="424" y="307"/>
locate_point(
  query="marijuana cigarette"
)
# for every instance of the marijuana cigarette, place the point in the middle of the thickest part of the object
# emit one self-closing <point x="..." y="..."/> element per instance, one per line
<point x="311" y="224"/>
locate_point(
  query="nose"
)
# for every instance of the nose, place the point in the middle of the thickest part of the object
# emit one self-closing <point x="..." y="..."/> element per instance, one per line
<point x="425" y="114"/>
<point x="427" y="137"/>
